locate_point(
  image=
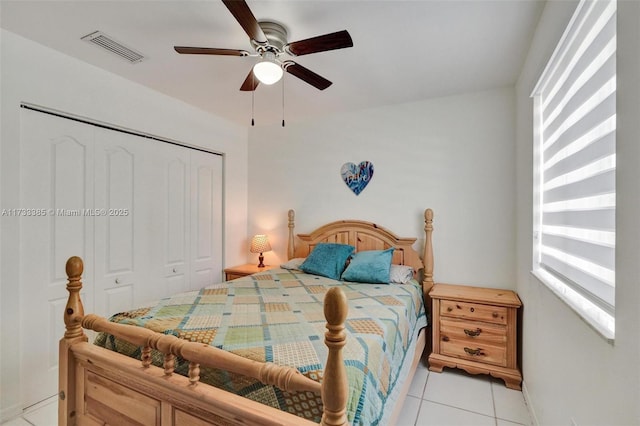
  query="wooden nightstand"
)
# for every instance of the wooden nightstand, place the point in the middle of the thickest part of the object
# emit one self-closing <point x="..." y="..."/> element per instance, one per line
<point x="475" y="329"/>
<point x="244" y="270"/>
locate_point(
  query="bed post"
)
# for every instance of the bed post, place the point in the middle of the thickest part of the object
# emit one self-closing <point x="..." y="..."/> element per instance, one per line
<point x="427" y="258"/>
<point x="291" y="249"/>
<point x="427" y="280"/>
<point x="73" y="314"/>
<point x="335" y="388"/>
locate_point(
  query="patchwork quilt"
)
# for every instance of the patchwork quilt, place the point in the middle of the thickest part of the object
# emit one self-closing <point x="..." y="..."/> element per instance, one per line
<point x="277" y="316"/>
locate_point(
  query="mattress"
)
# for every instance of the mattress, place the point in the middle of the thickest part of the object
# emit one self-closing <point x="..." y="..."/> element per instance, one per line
<point x="277" y="316"/>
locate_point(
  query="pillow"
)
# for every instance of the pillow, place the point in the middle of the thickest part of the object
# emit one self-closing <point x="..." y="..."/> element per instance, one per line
<point x="400" y="274"/>
<point x="370" y="266"/>
<point x="293" y="263"/>
<point x="327" y="260"/>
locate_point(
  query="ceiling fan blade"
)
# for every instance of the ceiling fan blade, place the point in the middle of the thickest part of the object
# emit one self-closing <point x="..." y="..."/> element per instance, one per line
<point x="240" y="10"/>
<point x="250" y="83"/>
<point x="307" y="75"/>
<point x="337" y="40"/>
<point x="210" y="51"/>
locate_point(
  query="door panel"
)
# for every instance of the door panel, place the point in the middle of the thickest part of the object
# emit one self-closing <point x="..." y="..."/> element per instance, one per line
<point x="206" y="219"/>
<point x="118" y="299"/>
<point x="55" y="186"/>
<point x="174" y="223"/>
<point x="177" y="211"/>
<point x="120" y="209"/>
<point x="119" y="196"/>
<point x="69" y="198"/>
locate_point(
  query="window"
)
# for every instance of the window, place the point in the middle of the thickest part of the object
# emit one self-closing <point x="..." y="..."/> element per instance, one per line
<point x="575" y="162"/>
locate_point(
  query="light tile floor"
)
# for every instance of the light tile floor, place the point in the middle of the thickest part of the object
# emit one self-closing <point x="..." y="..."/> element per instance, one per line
<point x="454" y="397"/>
<point x="435" y="399"/>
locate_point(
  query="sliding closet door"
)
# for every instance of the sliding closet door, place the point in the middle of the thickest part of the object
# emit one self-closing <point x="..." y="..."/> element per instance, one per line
<point x="206" y="219"/>
<point x="145" y="216"/>
<point x="187" y="217"/>
<point x="56" y="184"/>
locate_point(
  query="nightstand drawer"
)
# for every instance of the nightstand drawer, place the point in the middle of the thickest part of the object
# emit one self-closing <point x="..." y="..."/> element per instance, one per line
<point x="473" y="311"/>
<point x="475" y="351"/>
<point x="474" y="332"/>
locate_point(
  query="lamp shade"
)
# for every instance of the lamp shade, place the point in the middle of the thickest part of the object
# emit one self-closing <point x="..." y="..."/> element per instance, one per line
<point x="268" y="71"/>
<point x="260" y="244"/>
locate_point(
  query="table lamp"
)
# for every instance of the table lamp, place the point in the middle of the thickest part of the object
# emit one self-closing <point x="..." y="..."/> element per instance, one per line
<point x="260" y="244"/>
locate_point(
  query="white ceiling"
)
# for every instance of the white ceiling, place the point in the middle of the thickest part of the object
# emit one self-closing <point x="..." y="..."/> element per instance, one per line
<point x="403" y="50"/>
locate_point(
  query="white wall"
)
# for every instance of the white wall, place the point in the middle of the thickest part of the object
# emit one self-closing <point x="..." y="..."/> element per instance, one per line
<point x="36" y="74"/>
<point x="570" y="371"/>
<point x="454" y="154"/>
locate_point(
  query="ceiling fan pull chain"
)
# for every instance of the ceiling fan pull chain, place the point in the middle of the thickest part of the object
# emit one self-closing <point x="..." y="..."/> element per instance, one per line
<point x="283" y="102"/>
<point x="253" y="93"/>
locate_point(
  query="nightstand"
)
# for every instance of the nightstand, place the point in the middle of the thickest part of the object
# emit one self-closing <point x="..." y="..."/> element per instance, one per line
<point x="244" y="270"/>
<point x="475" y="329"/>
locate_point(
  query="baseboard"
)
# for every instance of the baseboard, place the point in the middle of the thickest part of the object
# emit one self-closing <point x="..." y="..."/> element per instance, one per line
<point x="9" y="413"/>
<point x="527" y="399"/>
<point x="14" y="411"/>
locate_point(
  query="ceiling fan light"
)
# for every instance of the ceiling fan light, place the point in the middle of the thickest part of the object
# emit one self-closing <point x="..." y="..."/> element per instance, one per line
<point x="267" y="70"/>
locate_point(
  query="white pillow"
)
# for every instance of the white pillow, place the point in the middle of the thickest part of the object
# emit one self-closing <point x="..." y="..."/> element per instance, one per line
<point x="293" y="263"/>
<point x="400" y="274"/>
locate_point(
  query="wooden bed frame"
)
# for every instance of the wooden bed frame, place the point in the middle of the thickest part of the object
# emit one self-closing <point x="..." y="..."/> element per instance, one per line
<point x="98" y="386"/>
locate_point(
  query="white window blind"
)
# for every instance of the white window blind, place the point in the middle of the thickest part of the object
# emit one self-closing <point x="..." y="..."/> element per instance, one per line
<point x="575" y="137"/>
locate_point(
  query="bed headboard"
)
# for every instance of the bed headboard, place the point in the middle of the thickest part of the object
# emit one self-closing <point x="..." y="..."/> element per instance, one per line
<point x="368" y="236"/>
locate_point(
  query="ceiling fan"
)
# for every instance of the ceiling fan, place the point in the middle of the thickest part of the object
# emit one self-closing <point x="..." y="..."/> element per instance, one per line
<point x="269" y="40"/>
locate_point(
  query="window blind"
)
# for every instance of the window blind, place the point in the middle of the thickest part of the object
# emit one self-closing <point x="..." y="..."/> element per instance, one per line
<point x="575" y="134"/>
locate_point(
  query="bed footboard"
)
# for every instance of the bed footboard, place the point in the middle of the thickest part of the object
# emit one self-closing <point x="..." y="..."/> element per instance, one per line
<point x="98" y="386"/>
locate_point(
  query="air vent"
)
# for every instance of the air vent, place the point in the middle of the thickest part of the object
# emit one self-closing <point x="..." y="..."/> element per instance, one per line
<point x="106" y="42"/>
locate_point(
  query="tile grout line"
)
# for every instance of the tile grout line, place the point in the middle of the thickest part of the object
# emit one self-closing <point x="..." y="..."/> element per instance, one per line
<point x="424" y="389"/>
<point x="460" y="408"/>
<point x="493" y="402"/>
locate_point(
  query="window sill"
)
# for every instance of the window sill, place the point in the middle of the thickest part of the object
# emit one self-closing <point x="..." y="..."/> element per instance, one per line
<point x="607" y="333"/>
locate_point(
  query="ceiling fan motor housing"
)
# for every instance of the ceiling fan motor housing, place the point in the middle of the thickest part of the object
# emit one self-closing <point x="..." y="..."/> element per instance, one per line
<point x="276" y="37"/>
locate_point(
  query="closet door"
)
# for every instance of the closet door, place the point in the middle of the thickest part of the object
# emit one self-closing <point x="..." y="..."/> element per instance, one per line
<point x="145" y="216"/>
<point x="56" y="185"/>
<point x="123" y="189"/>
<point x="206" y="219"/>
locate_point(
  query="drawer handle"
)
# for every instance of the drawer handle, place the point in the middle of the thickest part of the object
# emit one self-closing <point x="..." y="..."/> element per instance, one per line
<point x="495" y="315"/>
<point x="449" y="309"/>
<point x="445" y="338"/>
<point x="473" y="351"/>
<point x="472" y="333"/>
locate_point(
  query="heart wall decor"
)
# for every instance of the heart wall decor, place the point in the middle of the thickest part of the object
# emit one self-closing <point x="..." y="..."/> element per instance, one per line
<point x="357" y="177"/>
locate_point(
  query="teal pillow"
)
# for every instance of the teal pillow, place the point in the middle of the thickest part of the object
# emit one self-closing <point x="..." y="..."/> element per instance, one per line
<point x="327" y="259"/>
<point x="371" y="266"/>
